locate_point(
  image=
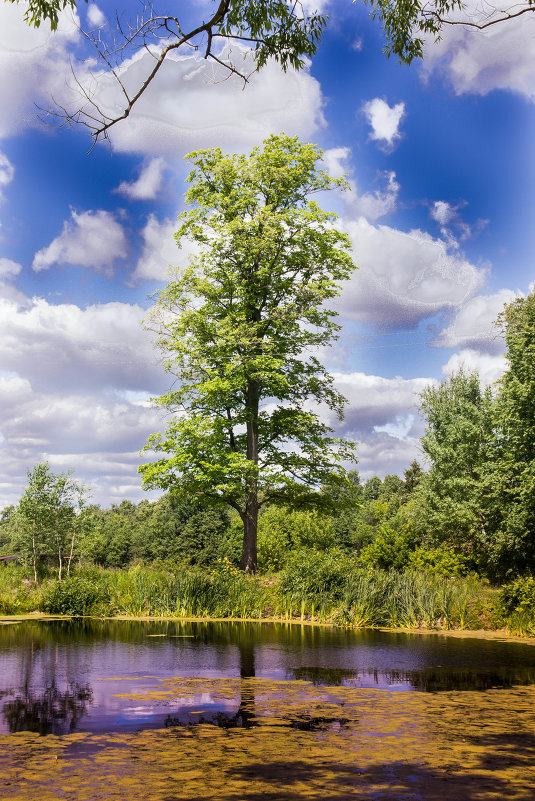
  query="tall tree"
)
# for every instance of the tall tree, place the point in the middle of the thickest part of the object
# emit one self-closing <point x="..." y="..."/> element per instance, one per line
<point x="457" y="440"/>
<point x="45" y="520"/>
<point x="513" y="496"/>
<point x="238" y="328"/>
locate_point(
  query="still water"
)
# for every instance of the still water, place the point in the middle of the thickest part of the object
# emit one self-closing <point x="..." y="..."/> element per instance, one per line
<point x="177" y="711"/>
<point x="61" y="676"/>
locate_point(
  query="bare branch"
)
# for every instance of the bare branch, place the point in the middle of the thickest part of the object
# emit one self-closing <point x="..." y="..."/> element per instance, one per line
<point x="480" y="26"/>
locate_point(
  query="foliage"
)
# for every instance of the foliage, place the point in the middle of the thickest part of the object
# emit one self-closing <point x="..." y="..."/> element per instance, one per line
<point x="282" y="530"/>
<point x="45" y="522"/>
<point x="519" y="595"/>
<point x="479" y="495"/>
<point x="38" y="11"/>
<point x="392" y="548"/>
<point x="511" y="486"/>
<point x="516" y="603"/>
<point x="78" y="595"/>
<point x="457" y="441"/>
<point x="234" y="327"/>
<point x="440" y="561"/>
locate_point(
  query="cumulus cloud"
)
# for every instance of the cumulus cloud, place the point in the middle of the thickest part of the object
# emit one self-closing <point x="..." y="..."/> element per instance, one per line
<point x="99" y="438"/>
<point x="382" y="453"/>
<point x="382" y="417"/>
<point x="403" y="277"/>
<point x="336" y="161"/>
<point x="442" y="212"/>
<point x="9" y="269"/>
<point x="89" y="239"/>
<point x="384" y="120"/>
<point x="376" y="403"/>
<point x="65" y="348"/>
<point x="474" y="324"/>
<point x="33" y="65"/>
<point x="477" y="62"/>
<point x="7" y="171"/>
<point x="373" y="205"/>
<point x="147" y="186"/>
<point x="489" y="366"/>
<point x="449" y="219"/>
<point x="193" y="103"/>
<point x="75" y="390"/>
<point x="95" y="17"/>
<point x="159" y="251"/>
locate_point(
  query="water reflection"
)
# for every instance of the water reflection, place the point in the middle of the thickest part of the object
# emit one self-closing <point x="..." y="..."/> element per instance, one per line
<point x="61" y="676"/>
<point x="53" y="711"/>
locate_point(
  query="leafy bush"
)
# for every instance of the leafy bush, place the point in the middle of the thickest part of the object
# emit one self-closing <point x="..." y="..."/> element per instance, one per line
<point x="282" y="530"/>
<point x="516" y="603"/>
<point x="391" y="549"/>
<point x="78" y="595"/>
<point x="519" y="596"/>
<point x="439" y="561"/>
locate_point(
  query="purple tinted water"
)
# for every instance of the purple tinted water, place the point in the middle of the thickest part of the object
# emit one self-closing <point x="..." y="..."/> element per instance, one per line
<point x="59" y="676"/>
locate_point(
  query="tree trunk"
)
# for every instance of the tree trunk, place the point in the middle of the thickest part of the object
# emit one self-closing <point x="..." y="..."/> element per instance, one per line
<point x="248" y="561"/>
<point x="34" y="556"/>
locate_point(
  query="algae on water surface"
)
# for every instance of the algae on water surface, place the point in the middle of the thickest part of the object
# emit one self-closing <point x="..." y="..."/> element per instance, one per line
<point x="295" y="741"/>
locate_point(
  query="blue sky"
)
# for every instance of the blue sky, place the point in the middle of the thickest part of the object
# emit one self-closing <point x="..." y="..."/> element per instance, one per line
<point x="439" y="160"/>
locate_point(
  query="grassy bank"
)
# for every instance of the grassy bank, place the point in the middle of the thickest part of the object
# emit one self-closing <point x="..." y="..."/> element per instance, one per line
<point x="325" y="587"/>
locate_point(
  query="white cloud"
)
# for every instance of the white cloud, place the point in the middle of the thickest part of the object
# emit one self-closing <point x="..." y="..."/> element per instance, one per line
<point x="373" y="205"/>
<point x="403" y="277"/>
<point x="489" y="366"/>
<point x="336" y="160"/>
<point x="442" y="212"/>
<point x="193" y="103"/>
<point x="384" y="120"/>
<point x="382" y="453"/>
<point x="7" y="171"/>
<point x="500" y="57"/>
<point x="159" y="251"/>
<point x="68" y="349"/>
<point x="382" y="417"/>
<point x="89" y="239"/>
<point x="147" y="186"/>
<point x="474" y="324"/>
<point x="9" y="269"/>
<point x="33" y="65"/>
<point x="95" y="17"/>
<point x="375" y="402"/>
<point x="99" y="438"/>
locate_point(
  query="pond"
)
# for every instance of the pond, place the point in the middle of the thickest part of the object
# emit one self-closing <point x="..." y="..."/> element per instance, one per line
<point x="177" y="710"/>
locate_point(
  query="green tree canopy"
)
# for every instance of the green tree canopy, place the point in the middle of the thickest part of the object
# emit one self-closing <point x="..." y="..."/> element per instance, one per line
<point x="457" y="440"/>
<point x="238" y="328"/>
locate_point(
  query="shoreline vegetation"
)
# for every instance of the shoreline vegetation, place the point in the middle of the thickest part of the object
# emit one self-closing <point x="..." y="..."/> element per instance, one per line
<point x="336" y="592"/>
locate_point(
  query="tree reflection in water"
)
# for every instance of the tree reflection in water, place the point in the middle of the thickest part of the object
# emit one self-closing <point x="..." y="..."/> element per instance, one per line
<point x="53" y="711"/>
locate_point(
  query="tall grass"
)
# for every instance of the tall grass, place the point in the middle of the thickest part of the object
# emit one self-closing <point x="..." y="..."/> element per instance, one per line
<point x="326" y="586"/>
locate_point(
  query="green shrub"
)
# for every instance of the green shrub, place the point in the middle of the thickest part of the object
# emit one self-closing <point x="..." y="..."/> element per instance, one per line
<point x="516" y="602"/>
<point x="391" y="549"/>
<point x="78" y="595"/>
<point x="439" y="561"/>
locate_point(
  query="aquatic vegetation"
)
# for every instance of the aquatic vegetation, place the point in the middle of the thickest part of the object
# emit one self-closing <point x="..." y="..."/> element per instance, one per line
<point x="299" y="741"/>
<point x="326" y="586"/>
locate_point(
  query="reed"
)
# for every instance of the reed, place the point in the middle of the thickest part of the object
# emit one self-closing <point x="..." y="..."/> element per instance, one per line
<point x="326" y="586"/>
